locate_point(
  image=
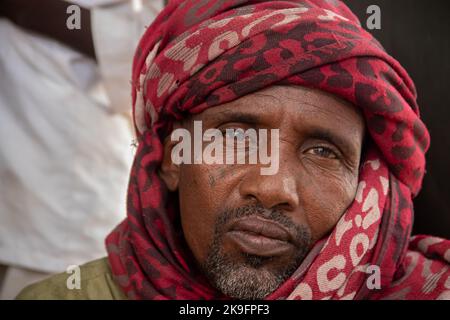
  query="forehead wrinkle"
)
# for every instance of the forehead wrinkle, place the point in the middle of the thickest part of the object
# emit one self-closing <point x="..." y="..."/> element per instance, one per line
<point x="243" y="102"/>
<point x="309" y="97"/>
<point x="266" y="95"/>
<point x="326" y="111"/>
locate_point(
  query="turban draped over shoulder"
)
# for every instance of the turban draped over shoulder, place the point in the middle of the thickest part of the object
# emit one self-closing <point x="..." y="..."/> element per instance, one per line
<point x="201" y="53"/>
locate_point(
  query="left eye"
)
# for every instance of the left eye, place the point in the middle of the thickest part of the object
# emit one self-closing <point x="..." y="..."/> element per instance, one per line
<point x="232" y="133"/>
<point x="323" y="152"/>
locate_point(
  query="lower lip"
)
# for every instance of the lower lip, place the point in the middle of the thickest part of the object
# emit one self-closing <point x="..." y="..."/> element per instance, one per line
<point x="259" y="245"/>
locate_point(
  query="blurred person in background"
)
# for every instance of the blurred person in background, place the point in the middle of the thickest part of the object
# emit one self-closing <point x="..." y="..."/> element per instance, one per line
<point x="63" y="94"/>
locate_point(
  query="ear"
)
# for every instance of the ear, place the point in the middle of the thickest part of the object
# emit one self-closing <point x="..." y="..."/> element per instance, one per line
<point x="170" y="172"/>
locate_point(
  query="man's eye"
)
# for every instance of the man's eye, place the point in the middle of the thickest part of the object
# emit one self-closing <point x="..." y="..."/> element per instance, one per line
<point x="235" y="133"/>
<point x="323" y="152"/>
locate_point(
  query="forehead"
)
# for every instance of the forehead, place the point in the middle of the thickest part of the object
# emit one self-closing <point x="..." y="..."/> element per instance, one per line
<point x="277" y="106"/>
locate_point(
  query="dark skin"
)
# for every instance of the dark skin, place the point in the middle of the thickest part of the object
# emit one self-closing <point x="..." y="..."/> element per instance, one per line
<point x="321" y="139"/>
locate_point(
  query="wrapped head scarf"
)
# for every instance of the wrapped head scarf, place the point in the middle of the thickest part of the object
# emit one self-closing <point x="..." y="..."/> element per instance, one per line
<point x="201" y="53"/>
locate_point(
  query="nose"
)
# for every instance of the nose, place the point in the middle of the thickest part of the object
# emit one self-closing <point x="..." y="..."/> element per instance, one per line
<point x="278" y="191"/>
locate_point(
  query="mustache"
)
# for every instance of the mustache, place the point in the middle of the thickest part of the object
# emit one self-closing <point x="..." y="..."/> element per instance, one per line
<point x="301" y="233"/>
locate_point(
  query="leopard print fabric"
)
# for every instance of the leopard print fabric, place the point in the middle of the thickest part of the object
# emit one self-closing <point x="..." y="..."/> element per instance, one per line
<point x="201" y="53"/>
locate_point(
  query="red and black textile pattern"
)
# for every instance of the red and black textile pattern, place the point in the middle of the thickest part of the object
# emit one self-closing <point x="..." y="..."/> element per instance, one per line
<point x="201" y="53"/>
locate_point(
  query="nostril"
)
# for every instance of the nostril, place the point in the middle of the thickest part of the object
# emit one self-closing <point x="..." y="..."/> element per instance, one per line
<point x="270" y="191"/>
<point x="285" y="206"/>
<point x="251" y="197"/>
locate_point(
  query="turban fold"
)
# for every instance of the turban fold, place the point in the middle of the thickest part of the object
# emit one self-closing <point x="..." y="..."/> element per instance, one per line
<point x="201" y="53"/>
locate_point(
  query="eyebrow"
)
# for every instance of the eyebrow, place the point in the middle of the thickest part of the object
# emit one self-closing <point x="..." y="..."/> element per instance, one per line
<point x="327" y="135"/>
<point x="236" y="116"/>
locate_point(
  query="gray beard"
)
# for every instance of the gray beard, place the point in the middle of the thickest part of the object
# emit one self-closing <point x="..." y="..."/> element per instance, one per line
<point x="247" y="280"/>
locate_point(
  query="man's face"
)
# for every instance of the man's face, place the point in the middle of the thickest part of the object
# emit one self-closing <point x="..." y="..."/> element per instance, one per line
<point x="249" y="232"/>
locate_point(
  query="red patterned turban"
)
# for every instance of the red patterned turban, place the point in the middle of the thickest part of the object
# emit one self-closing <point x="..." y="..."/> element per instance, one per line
<point x="201" y="53"/>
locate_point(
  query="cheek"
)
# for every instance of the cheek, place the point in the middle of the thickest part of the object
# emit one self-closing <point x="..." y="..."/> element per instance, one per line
<point x="203" y="192"/>
<point x="325" y="199"/>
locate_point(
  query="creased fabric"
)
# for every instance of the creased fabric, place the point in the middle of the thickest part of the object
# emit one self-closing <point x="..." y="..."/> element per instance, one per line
<point x="199" y="54"/>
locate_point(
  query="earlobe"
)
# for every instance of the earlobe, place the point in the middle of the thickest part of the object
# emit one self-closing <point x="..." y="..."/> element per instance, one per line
<point x="169" y="172"/>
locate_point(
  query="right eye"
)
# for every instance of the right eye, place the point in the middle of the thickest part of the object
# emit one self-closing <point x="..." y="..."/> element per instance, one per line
<point x="235" y="133"/>
<point x="239" y="138"/>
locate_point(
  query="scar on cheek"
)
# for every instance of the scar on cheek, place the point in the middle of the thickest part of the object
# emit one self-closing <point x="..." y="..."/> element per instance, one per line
<point x="219" y="174"/>
<point x="212" y="180"/>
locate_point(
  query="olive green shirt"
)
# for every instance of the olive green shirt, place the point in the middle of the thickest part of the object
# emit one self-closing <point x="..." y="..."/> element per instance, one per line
<point x="96" y="283"/>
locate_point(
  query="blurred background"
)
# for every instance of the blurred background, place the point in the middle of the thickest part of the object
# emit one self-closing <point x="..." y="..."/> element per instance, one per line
<point x="66" y="147"/>
<point x="66" y="135"/>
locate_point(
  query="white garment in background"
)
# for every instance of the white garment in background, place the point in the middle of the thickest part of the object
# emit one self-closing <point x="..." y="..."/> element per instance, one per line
<point x="65" y="150"/>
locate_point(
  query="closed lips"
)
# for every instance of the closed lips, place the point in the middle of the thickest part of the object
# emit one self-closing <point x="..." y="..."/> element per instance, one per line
<point x="262" y="227"/>
<point x="259" y="236"/>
